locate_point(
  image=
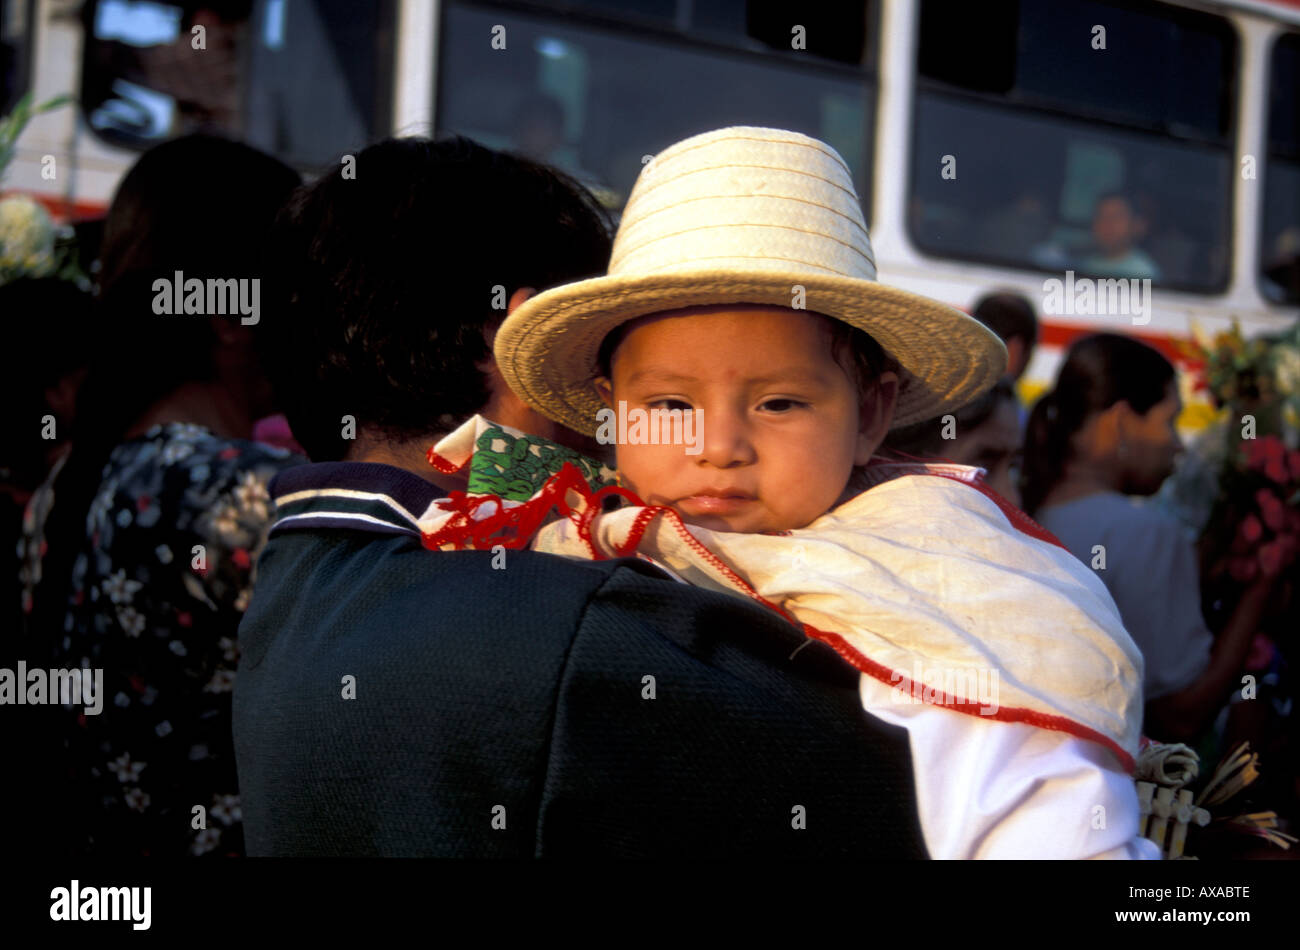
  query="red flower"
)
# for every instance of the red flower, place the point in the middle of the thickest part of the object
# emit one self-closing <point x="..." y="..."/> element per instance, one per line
<point x="240" y="557"/>
<point x="1243" y="569"/>
<point x="1271" y="508"/>
<point x="1271" y="558"/>
<point x="1276" y="470"/>
<point x="137" y="683"/>
<point x="1289" y="546"/>
<point x="1261" y="653"/>
<point x="183" y="618"/>
<point x="143" y="502"/>
<point x="1259" y="452"/>
<point x="1251" y="530"/>
<point x="1293" y="462"/>
<point x="229" y="453"/>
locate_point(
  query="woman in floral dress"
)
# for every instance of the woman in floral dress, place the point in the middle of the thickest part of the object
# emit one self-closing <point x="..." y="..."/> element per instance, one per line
<point x="139" y="550"/>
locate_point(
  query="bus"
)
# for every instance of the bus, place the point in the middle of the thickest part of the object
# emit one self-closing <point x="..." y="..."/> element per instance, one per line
<point x="989" y="141"/>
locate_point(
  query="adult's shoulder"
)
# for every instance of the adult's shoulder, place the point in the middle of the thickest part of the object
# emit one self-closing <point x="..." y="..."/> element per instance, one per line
<point x="1111" y="511"/>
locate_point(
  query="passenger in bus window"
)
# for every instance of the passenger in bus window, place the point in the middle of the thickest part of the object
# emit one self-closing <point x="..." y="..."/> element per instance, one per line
<point x="1116" y="229"/>
<point x="742" y="312"/>
<point x="1172" y="249"/>
<point x="1281" y="282"/>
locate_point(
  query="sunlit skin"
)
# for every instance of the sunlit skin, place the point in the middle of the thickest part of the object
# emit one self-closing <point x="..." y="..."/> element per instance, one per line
<point x="782" y="422"/>
<point x="1152" y="444"/>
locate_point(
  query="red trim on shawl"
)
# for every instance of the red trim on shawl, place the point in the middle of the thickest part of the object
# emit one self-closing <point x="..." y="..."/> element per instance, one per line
<point x="446" y="466"/>
<point x="1019" y="520"/>
<point x="514" y="528"/>
<point x="861" y="662"/>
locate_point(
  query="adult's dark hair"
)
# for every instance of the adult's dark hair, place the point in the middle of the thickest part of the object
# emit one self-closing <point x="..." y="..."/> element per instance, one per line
<point x="925" y="439"/>
<point x="387" y="282"/>
<point x="1009" y="315"/>
<point x="198" y="204"/>
<point x="1098" y="372"/>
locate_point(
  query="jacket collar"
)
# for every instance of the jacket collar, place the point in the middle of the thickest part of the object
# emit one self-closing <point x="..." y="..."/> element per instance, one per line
<point x="363" y="496"/>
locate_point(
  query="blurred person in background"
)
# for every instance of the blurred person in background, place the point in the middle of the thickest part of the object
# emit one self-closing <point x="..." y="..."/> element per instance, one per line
<point x="1100" y="442"/>
<point x="143" y="563"/>
<point x="987" y="434"/>
<point x="48" y="323"/>
<point x="1011" y="316"/>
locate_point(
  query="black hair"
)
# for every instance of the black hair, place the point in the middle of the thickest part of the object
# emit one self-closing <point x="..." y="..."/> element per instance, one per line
<point x="855" y="350"/>
<point x="200" y="204"/>
<point x="925" y="439"/>
<point x="48" y="323"/>
<point x="1009" y="315"/>
<point x="387" y="282"/>
<point x="1098" y="372"/>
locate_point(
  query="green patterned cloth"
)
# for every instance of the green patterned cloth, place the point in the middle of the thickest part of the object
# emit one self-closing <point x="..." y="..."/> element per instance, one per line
<point x="515" y="466"/>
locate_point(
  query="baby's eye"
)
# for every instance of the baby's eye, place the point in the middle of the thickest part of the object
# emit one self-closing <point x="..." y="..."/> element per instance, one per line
<point x="670" y="404"/>
<point x="783" y="405"/>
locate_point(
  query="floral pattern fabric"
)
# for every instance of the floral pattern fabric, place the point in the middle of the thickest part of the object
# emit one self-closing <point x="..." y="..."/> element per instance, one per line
<point x="165" y="574"/>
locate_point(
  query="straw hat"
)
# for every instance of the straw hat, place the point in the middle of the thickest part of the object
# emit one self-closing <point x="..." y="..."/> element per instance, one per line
<point x="743" y="215"/>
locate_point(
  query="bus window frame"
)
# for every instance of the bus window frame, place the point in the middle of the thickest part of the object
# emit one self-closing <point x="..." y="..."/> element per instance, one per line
<point x="27" y="56"/>
<point x="1287" y="31"/>
<point x="1030" y="106"/>
<point x="381" y="124"/>
<point x="634" y="28"/>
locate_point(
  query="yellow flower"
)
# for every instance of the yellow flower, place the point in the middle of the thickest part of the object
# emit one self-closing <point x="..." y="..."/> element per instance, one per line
<point x="26" y="236"/>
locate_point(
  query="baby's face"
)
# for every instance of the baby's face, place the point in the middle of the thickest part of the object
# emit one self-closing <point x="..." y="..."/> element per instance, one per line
<point x="781" y="423"/>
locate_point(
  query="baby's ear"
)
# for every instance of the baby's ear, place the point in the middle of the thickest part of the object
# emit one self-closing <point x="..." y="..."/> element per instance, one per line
<point x="875" y="416"/>
<point x="605" y="389"/>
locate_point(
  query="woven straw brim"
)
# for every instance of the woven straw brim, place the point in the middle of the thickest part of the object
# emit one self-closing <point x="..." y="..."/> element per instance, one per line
<point x="547" y="348"/>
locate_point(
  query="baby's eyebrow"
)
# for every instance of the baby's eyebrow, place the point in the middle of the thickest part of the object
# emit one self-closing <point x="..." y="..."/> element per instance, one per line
<point x="777" y="376"/>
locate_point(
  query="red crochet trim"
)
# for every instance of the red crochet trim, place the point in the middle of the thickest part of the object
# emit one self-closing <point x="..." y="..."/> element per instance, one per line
<point x="446" y="466"/>
<point x="861" y="662"/>
<point x="1018" y="518"/>
<point x="1004" y="713"/>
<point x="515" y="527"/>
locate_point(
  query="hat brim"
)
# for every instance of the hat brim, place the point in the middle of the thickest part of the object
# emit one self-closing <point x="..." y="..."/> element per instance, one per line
<point x="547" y="349"/>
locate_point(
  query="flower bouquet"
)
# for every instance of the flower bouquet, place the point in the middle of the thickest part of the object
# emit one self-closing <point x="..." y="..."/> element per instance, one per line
<point x="1253" y="526"/>
<point x="31" y="245"/>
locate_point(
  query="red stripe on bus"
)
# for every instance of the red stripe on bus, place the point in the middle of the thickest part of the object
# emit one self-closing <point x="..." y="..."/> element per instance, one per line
<point x="62" y="209"/>
<point x="1062" y="335"/>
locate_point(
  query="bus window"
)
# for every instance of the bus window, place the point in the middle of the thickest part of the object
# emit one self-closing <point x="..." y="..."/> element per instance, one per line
<point x="1280" y="238"/>
<point x="596" y="96"/>
<point x="15" y="50"/>
<point x="1041" y="141"/>
<point x="303" y="79"/>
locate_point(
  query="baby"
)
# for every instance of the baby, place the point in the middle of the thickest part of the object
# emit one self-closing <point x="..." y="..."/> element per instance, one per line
<point x="742" y="291"/>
